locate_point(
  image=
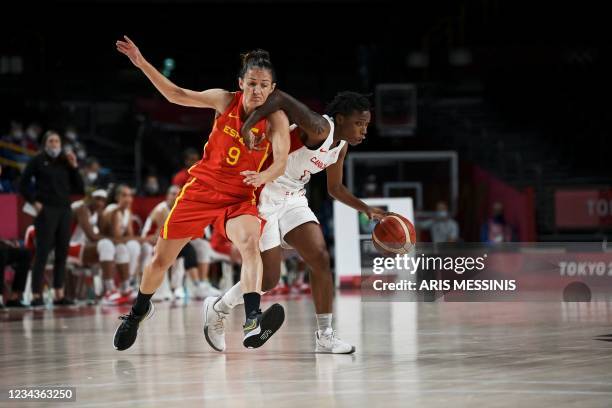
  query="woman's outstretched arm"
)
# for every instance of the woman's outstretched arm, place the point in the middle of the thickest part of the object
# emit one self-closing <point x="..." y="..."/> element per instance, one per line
<point x="217" y="99"/>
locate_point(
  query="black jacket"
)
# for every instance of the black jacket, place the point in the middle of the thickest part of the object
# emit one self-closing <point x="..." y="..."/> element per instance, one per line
<point x="54" y="181"/>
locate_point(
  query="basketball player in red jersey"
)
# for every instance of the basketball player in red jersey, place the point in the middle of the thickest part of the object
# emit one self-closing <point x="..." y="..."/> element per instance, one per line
<point x="320" y="142"/>
<point x="216" y="193"/>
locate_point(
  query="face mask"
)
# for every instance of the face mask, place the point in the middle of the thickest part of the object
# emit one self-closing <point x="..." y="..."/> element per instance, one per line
<point x="441" y="214"/>
<point x="53" y="151"/>
<point x="91" y="176"/>
<point x="152" y="188"/>
<point x="32" y="135"/>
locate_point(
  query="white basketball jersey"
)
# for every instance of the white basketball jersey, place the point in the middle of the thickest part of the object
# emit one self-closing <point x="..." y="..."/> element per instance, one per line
<point x="78" y="235"/>
<point x="126" y="217"/>
<point x="302" y="162"/>
<point x="146" y="230"/>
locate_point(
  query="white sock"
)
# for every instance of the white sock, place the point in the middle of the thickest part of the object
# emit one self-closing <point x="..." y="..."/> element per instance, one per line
<point x="230" y="299"/>
<point x="125" y="285"/>
<point x="109" y="285"/>
<point x="178" y="273"/>
<point x="324" y="321"/>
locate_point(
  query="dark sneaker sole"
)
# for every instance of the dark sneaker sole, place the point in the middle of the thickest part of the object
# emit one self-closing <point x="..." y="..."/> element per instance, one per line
<point x="271" y="320"/>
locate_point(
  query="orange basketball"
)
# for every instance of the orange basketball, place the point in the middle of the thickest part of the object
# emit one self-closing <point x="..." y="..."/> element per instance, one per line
<point x="394" y="234"/>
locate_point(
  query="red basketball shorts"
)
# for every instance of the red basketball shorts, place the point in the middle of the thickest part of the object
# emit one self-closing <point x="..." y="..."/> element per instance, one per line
<point x="198" y="206"/>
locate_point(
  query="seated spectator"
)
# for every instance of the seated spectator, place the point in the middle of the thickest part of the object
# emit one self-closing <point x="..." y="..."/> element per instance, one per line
<point x="116" y="222"/>
<point x="93" y="247"/>
<point x="11" y="254"/>
<point x="442" y="227"/>
<point x="151" y="186"/>
<point x="190" y="157"/>
<point x="32" y="135"/>
<point x="15" y="134"/>
<point x="17" y="150"/>
<point x="93" y="177"/>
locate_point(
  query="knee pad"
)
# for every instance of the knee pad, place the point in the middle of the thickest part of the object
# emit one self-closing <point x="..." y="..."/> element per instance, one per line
<point x="122" y="255"/>
<point x="106" y="250"/>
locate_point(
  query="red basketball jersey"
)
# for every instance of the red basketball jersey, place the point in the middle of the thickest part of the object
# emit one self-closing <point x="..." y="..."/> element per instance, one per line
<point x="225" y="154"/>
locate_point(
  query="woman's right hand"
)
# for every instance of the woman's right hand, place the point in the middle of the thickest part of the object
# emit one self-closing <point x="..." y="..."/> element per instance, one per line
<point x="130" y="49"/>
<point x="38" y="205"/>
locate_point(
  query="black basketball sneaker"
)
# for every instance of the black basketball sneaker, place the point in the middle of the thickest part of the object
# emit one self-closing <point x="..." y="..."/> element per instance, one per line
<point x="259" y="327"/>
<point x="126" y="333"/>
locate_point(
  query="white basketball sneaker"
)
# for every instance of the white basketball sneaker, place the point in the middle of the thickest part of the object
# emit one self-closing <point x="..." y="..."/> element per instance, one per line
<point x="328" y="342"/>
<point x="179" y="293"/>
<point x="112" y="298"/>
<point x="162" y="295"/>
<point x="214" y="328"/>
<point x="206" y="289"/>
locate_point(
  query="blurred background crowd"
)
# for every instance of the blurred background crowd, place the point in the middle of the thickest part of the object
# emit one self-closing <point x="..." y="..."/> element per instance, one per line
<point x="498" y="111"/>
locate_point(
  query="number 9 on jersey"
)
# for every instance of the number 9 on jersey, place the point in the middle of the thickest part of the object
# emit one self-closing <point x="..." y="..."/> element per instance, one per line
<point x="233" y="155"/>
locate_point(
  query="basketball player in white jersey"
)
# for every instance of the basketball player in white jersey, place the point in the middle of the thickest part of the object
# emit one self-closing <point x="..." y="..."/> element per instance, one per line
<point x="319" y="143"/>
<point x="150" y="231"/>
<point x="116" y="223"/>
<point x="189" y="253"/>
<point x="91" y="246"/>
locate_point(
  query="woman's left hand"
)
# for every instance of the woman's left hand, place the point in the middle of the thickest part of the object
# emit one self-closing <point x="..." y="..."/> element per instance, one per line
<point x="254" y="178"/>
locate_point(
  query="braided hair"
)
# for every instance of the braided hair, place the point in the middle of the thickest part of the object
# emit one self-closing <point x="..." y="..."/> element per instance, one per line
<point x="347" y="102"/>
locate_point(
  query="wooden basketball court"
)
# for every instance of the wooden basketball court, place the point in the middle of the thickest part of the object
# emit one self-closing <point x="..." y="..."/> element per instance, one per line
<point x="408" y="354"/>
